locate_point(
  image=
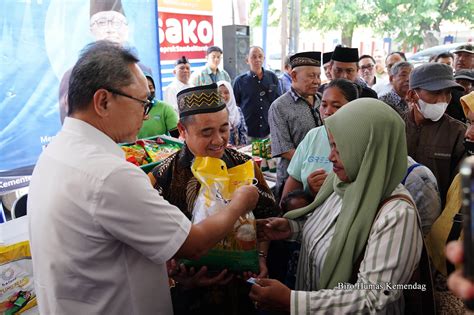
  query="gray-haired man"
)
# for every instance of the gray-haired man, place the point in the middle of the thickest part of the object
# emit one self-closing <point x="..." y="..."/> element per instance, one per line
<point x="399" y="78"/>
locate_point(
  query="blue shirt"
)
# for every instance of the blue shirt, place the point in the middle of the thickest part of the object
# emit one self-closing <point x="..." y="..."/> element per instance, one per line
<point x="285" y="83"/>
<point x="254" y="97"/>
<point x="312" y="153"/>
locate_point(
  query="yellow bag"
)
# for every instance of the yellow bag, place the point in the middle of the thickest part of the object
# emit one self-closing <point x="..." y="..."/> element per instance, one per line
<point x="17" y="292"/>
<point x="238" y="250"/>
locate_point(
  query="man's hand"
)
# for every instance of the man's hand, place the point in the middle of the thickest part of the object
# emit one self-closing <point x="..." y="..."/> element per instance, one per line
<point x="316" y="180"/>
<point x="192" y="279"/>
<point x="270" y="294"/>
<point x="271" y="229"/>
<point x="246" y="197"/>
<point x="457" y="283"/>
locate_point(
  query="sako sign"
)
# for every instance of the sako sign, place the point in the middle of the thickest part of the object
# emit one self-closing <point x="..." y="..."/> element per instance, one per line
<point x="185" y="28"/>
<point x="184" y="34"/>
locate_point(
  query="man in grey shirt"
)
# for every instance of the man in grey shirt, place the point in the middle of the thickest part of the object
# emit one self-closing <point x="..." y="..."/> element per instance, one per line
<point x="296" y="112"/>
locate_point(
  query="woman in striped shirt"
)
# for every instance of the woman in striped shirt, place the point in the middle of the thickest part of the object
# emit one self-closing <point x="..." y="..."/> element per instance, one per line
<point x="358" y="252"/>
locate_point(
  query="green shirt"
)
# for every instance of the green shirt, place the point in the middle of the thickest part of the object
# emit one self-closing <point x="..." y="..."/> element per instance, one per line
<point x="162" y="118"/>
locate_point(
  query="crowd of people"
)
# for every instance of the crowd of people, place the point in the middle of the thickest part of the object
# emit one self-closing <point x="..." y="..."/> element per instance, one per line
<point x="363" y="201"/>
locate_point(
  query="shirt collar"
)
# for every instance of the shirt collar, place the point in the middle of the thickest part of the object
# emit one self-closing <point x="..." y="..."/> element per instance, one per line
<point x="92" y="134"/>
<point x="254" y="75"/>
<point x="396" y="96"/>
<point x="180" y="84"/>
<point x="209" y="71"/>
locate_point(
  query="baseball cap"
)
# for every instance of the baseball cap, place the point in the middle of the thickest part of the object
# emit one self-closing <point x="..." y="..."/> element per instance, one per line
<point x="433" y="77"/>
<point x="464" y="48"/>
<point x="464" y="74"/>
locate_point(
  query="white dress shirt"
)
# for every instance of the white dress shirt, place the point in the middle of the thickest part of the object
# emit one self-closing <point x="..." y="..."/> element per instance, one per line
<point x="171" y="90"/>
<point x="100" y="233"/>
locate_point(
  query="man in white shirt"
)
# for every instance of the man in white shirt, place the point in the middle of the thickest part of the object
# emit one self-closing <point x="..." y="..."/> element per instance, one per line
<point x="100" y="234"/>
<point x="182" y="72"/>
<point x="384" y="86"/>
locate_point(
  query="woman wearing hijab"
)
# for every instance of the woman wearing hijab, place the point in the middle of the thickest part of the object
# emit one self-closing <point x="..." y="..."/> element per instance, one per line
<point x="360" y="237"/>
<point x="238" y="128"/>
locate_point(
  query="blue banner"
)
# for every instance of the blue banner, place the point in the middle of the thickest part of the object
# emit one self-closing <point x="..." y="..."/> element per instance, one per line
<point x="40" y="41"/>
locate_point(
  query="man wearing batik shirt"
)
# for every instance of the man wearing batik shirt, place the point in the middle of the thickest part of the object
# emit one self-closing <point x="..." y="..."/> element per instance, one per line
<point x="296" y="112"/>
<point x="399" y="79"/>
<point x="204" y="126"/>
<point x="254" y="92"/>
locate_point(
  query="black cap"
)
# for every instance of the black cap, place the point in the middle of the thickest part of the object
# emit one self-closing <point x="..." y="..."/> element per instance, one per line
<point x="433" y="76"/>
<point x="464" y="74"/>
<point x="182" y="60"/>
<point x="327" y="57"/>
<point x="106" y="5"/>
<point x="307" y="58"/>
<point x="345" y="54"/>
<point x="199" y="100"/>
<point x="213" y="49"/>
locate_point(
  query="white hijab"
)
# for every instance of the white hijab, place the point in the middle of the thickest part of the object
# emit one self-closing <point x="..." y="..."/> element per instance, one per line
<point x="234" y="114"/>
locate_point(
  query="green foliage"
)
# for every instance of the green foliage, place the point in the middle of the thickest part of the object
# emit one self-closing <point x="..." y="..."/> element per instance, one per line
<point x="274" y="13"/>
<point x="407" y="21"/>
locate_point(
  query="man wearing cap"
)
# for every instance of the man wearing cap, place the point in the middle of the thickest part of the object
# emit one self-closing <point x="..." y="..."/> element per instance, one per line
<point x="296" y="112"/>
<point x="463" y="61"/>
<point x="344" y="64"/>
<point x="211" y="72"/>
<point x="463" y="57"/>
<point x="327" y="64"/>
<point x="254" y="92"/>
<point x="204" y="126"/>
<point x="100" y="234"/>
<point x="434" y="139"/>
<point x="182" y="73"/>
<point x="107" y="22"/>
<point x="465" y="78"/>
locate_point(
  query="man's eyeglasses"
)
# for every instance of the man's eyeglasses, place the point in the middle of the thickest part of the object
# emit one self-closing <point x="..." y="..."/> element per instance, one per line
<point x="104" y="22"/>
<point x="147" y="104"/>
<point x="367" y="67"/>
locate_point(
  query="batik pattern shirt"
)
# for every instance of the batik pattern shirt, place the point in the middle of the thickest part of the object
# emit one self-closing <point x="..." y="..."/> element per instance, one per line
<point x="290" y="118"/>
<point x="396" y="102"/>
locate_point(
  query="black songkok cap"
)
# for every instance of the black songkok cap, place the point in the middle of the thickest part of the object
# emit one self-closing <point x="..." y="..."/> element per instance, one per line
<point x="307" y="58"/>
<point x="182" y="60"/>
<point x="199" y="100"/>
<point x="327" y="57"/>
<point x="106" y="5"/>
<point x="345" y="54"/>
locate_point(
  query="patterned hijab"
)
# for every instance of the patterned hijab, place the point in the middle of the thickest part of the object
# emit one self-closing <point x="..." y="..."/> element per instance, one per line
<point x="370" y="138"/>
<point x="234" y="115"/>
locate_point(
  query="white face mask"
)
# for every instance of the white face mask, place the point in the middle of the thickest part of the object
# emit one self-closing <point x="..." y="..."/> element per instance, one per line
<point x="431" y="111"/>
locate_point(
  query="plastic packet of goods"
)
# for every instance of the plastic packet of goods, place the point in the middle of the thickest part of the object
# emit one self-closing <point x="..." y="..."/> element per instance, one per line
<point x="17" y="292"/>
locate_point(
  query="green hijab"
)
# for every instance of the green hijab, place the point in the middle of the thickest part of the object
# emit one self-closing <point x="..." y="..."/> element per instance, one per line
<point x="370" y="138"/>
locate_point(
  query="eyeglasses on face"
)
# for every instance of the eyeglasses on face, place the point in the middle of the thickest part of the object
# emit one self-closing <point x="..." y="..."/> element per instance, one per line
<point x="104" y="22"/>
<point x="367" y="67"/>
<point x="147" y="104"/>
